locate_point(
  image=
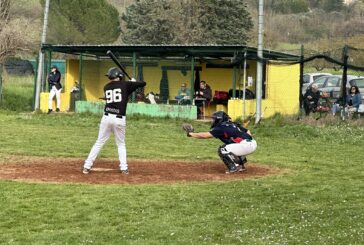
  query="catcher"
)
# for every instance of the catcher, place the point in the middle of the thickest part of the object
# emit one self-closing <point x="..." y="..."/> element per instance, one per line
<point x="238" y="141"/>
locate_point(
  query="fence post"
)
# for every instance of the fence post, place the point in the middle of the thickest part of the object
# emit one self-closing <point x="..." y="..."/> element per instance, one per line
<point x="344" y="78"/>
<point x="301" y="74"/>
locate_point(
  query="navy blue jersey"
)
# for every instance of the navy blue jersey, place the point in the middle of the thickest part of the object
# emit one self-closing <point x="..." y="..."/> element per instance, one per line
<point x="229" y="132"/>
<point x="116" y="95"/>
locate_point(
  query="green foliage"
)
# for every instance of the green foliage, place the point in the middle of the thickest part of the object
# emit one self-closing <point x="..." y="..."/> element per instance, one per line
<point x="82" y="21"/>
<point x="209" y="21"/>
<point x="148" y="21"/>
<point x="224" y="21"/>
<point x="17" y="93"/>
<point x="332" y="5"/>
<point x="290" y="6"/>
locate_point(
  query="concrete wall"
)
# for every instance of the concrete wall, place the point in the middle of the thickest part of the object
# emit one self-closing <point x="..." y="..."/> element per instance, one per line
<point x="154" y="110"/>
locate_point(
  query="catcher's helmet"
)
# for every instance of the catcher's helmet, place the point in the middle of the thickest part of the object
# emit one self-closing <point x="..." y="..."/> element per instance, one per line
<point x="114" y="73"/>
<point x="219" y="117"/>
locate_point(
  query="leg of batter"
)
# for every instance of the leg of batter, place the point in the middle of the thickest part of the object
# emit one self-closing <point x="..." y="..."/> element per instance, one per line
<point x="119" y="133"/>
<point x="104" y="134"/>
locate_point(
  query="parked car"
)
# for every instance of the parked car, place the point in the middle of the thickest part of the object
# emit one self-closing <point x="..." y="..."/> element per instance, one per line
<point x="309" y="78"/>
<point x="332" y="84"/>
<point x="360" y="83"/>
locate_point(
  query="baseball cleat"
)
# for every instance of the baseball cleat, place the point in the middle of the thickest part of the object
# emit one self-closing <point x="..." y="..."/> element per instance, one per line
<point x="231" y="171"/>
<point x="86" y="171"/>
<point x="242" y="169"/>
<point x="124" y="171"/>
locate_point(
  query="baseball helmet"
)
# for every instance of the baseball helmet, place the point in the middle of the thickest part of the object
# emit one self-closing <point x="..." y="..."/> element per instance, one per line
<point x="219" y="117"/>
<point x="114" y="73"/>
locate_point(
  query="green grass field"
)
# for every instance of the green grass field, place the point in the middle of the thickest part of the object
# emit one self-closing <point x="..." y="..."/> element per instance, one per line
<point x="318" y="199"/>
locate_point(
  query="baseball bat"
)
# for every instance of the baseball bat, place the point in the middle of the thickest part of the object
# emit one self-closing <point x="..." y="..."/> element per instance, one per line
<point x="113" y="57"/>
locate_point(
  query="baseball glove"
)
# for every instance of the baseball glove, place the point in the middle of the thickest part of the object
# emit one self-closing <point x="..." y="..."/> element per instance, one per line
<point x="188" y="128"/>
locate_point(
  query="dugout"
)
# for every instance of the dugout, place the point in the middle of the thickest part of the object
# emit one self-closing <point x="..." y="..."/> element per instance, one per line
<point x="165" y="67"/>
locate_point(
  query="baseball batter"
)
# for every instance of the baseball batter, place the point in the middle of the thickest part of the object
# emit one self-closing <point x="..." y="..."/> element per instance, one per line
<point x="116" y="94"/>
<point x="238" y="141"/>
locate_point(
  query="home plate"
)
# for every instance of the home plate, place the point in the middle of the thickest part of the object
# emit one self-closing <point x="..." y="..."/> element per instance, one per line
<point x="103" y="169"/>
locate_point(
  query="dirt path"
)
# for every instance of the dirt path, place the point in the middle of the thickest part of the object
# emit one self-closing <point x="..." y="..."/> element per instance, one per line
<point x="106" y="171"/>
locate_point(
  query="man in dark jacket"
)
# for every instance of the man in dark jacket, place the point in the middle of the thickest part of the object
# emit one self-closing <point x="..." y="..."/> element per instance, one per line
<point x="311" y="99"/>
<point x="55" y="88"/>
<point x="202" y="98"/>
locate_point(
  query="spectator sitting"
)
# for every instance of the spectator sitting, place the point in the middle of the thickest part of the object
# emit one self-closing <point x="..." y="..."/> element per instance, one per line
<point x="183" y="96"/>
<point x="311" y="99"/>
<point x="353" y="101"/>
<point x="202" y="98"/>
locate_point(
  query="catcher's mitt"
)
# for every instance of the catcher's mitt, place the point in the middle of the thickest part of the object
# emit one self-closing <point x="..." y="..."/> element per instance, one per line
<point x="188" y="128"/>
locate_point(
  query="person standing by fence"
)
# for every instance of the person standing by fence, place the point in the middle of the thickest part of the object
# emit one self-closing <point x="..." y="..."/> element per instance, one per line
<point x="55" y="88"/>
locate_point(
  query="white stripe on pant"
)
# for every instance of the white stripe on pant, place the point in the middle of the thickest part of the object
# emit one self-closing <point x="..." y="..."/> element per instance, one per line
<point x="57" y="92"/>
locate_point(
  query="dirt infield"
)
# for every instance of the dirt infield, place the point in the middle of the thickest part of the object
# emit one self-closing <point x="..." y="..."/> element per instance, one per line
<point x="106" y="171"/>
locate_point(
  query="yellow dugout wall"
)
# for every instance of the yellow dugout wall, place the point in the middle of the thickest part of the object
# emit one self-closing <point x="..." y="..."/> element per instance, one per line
<point x="282" y="85"/>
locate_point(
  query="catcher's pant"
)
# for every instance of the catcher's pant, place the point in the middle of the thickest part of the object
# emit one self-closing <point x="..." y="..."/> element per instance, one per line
<point x="57" y="92"/>
<point x="243" y="148"/>
<point x="110" y="124"/>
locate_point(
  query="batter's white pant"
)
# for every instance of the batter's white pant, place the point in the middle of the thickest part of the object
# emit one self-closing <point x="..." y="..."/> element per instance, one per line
<point x="57" y="92"/>
<point x="110" y="124"/>
<point x="243" y="148"/>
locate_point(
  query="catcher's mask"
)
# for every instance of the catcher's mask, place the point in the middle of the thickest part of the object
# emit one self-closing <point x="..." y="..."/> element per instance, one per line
<point x="114" y="73"/>
<point x="219" y="117"/>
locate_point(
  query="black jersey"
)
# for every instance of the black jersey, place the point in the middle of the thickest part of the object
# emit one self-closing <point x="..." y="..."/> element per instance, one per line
<point x="229" y="132"/>
<point x="116" y="95"/>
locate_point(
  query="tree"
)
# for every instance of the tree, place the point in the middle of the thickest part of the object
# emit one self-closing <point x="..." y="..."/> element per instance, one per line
<point x="290" y="6"/>
<point x="148" y="21"/>
<point x="224" y="21"/>
<point x="82" y="21"/>
<point x="12" y="29"/>
<point x="333" y="5"/>
<point x="187" y="21"/>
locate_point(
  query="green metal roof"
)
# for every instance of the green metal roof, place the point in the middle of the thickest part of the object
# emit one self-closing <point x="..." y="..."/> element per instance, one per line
<point x="168" y="51"/>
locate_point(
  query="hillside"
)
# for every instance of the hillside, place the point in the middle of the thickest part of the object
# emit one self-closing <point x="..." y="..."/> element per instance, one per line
<point x="285" y="28"/>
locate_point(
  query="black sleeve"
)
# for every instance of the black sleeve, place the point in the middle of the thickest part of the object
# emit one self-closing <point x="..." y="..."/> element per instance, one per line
<point x="316" y="97"/>
<point x="208" y="94"/>
<point x="132" y="86"/>
<point x="56" y="78"/>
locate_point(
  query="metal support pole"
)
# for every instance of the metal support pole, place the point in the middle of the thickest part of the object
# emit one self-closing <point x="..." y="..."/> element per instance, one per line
<point x="80" y="70"/>
<point x="192" y="79"/>
<point x="234" y="82"/>
<point x="301" y="75"/>
<point x="134" y="74"/>
<point x="41" y="58"/>
<point x="244" y="87"/>
<point x="259" y="84"/>
<point x="344" y="78"/>
<point x="47" y="68"/>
